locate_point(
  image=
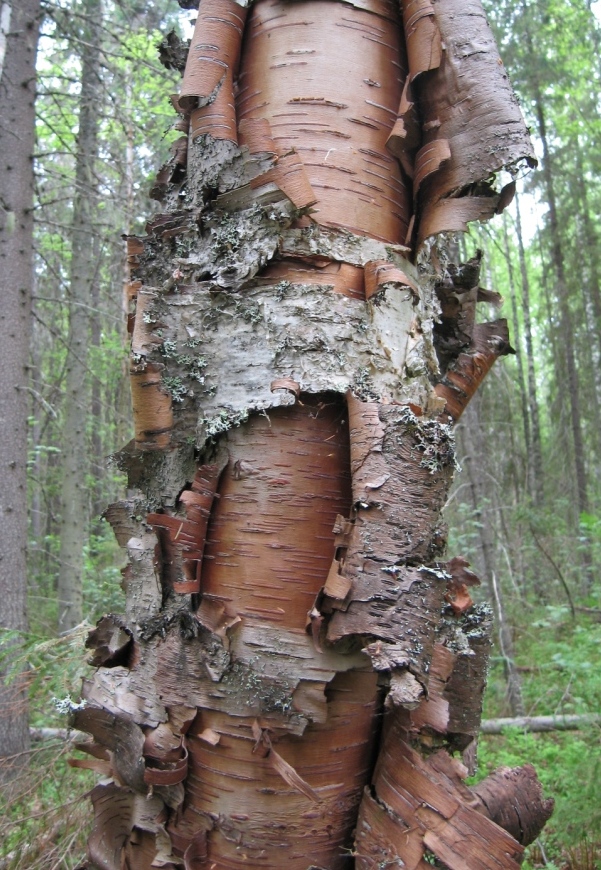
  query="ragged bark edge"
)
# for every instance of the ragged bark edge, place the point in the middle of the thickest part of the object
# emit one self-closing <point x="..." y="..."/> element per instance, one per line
<point x="420" y="807"/>
<point x="451" y="159"/>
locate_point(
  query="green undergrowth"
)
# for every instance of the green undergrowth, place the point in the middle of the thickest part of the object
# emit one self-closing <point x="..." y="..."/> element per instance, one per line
<point x="45" y="823"/>
<point x="45" y="815"/>
<point x="560" y="666"/>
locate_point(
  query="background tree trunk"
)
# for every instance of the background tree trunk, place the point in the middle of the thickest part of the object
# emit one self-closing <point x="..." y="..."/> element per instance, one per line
<point x="19" y="25"/>
<point x="75" y="498"/>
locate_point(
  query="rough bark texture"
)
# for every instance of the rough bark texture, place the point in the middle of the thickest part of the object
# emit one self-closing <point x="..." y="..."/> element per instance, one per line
<point x="289" y="618"/>
<point x="19" y="23"/>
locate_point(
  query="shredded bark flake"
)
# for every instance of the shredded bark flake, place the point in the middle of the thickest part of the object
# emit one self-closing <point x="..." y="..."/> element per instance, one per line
<point x="214" y="52"/>
<point x="183" y="538"/>
<point x="420" y="806"/>
<point x="491" y="137"/>
<point x="489" y="342"/>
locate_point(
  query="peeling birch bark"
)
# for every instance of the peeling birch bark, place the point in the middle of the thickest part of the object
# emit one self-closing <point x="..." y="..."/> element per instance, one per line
<point x="297" y="365"/>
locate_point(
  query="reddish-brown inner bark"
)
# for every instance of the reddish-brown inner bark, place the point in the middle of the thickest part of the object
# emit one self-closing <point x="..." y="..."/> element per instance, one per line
<point x="268" y="552"/>
<point x="329" y="79"/>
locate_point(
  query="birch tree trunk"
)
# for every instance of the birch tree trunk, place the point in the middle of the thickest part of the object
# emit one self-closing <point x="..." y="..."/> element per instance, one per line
<point x="289" y="620"/>
<point x="19" y="27"/>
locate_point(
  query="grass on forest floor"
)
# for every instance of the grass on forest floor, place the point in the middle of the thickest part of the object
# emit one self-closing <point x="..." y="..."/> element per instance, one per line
<point x="560" y="664"/>
<point x="45" y="822"/>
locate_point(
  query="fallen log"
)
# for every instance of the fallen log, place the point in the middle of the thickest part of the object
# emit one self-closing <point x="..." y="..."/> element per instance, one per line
<point x="488" y="726"/>
<point x="540" y="723"/>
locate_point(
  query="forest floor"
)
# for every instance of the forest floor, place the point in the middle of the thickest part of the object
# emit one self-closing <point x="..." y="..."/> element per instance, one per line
<point x="45" y="824"/>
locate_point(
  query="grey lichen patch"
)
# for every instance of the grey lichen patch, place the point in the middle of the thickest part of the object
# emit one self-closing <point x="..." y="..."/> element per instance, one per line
<point x="342" y="246"/>
<point x="224" y="419"/>
<point x="259" y="693"/>
<point x="434" y="440"/>
<point x="363" y="387"/>
<point x="322" y="340"/>
<point x="218" y="166"/>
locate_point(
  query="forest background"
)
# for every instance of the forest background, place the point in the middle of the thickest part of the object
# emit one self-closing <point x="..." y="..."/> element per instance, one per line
<point x="526" y="508"/>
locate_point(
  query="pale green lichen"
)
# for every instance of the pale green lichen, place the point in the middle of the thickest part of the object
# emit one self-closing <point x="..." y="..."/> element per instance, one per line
<point x="223" y="421"/>
<point x="175" y="387"/>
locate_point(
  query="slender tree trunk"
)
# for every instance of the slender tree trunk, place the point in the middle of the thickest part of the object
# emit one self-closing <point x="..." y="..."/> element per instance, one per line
<point x="592" y="299"/>
<point x="96" y="466"/>
<point x="531" y="483"/>
<point x="561" y="289"/>
<point x="75" y="497"/>
<point x="285" y="588"/>
<point x="19" y="26"/>
<point x="472" y="437"/>
<point x="537" y="452"/>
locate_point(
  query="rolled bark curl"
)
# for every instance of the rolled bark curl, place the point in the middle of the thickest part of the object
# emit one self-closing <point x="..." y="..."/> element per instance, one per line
<point x="298" y="666"/>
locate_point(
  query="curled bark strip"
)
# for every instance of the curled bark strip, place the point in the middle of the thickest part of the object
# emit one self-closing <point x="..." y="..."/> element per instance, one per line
<point x="489" y="342"/>
<point x="119" y="734"/>
<point x="214" y="52"/>
<point x="405" y="136"/>
<point x="421" y="805"/>
<point x="217" y="119"/>
<point x="429" y="159"/>
<point x="454" y="214"/>
<point x="291" y="177"/>
<point x="422" y="36"/>
<point x="470" y="70"/>
<point x="256" y="135"/>
<point x="98" y="765"/>
<point x="152" y="408"/>
<point x="513" y="799"/>
<point x="286" y="384"/>
<point x="424" y="52"/>
<point x="163" y="743"/>
<point x="184" y="538"/>
<point x="113" y="823"/>
<point x="119" y="814"/>
<point x="379" y="273"/>
<point x="208" y="84"/>
<point x="162" y="772"/>
<point x="195" y="855"/>
<point x="265" y="748"/>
